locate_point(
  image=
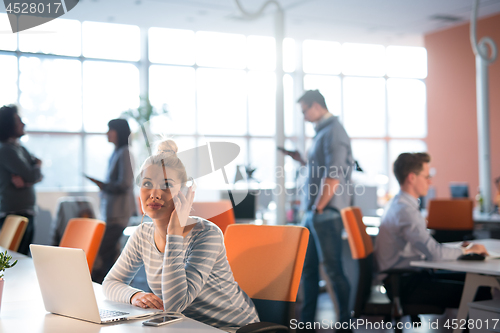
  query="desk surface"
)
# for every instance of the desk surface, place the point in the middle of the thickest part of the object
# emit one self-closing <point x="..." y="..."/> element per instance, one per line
<point x="486" y="218"/>
<point x="23" y="310"/>
<point x="489" y="266"/>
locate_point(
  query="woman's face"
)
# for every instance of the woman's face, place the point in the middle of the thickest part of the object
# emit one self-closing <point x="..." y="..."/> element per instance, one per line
<point x="19" y="132"/>
<point x="112" y="136"/>
<point x="158" y="187"/>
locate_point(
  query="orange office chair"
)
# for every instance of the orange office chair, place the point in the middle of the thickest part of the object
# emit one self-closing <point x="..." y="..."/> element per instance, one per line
<point x="451" y="220"/>
<point x="85" y="234"/>
<point x="219" y="212"/>
<point x="12" y="232"/>
<point x="267" y="263"/>
<point x="369" y="300"/>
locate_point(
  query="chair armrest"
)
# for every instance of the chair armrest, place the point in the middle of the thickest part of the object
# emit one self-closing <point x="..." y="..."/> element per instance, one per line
<point x="262" y="327"/>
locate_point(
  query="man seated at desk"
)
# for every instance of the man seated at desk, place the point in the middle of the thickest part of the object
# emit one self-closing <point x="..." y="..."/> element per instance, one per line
<point x="403" y="237"/>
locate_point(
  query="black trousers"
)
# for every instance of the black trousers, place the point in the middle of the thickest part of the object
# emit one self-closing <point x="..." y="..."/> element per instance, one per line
<point x="110" y="248"/>
<point x="27" y="239"/>
<point x="440" y="288"/>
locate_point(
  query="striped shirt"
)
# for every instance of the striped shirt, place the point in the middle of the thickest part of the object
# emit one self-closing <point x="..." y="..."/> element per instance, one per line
<point x="192" y="276"/>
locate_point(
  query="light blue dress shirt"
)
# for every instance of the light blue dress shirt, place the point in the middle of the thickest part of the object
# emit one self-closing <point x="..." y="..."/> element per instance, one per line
<point x="403" y="236"/>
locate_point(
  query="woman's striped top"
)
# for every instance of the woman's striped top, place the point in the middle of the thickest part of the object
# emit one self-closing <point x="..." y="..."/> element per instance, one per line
<point x="192" y="276"/>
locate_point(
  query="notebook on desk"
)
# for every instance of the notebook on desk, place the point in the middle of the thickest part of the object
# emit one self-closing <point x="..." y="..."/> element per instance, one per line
<point x="66" y="286"/>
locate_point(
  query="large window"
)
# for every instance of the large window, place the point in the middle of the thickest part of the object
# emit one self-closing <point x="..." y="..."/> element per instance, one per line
<point x="215" y="86"/>
<point x="379" y="94"/>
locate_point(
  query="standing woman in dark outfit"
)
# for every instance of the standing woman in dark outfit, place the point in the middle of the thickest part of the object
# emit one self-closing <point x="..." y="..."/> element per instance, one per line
<point x="117" y="198"/>
<point x="19" y="171"/>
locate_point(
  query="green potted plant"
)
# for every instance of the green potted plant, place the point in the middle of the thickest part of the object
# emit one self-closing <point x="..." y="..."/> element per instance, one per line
<point x="4" y="264"/>
<point x="142" y="115"/>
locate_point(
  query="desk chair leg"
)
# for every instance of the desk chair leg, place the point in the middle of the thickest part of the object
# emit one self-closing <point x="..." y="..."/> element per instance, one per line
<point x="472" y="283"/>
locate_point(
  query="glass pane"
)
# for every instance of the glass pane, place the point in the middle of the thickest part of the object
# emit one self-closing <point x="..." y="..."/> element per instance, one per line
<point x="292" y="126"/>
<point x="289" y="55"/>
<point x="8" y="40"/>
<point x="321" y="57"/>
<point x="372" y="158"/>
<point x="8" y="83"/>
<point x="111" y="41"/>
<point x="214" y="49"/>
<point x="222" y="101"/>
<point x="51" y="93"/>
<point x="174" y="88"/>
<point x="364" y="107"/>
<point x="61" y="162"/>
<point x="329" y="87"/>
<point x="171" y="46"/>
<point x="97" y="153"/>
<point x="291" y="167"/>
<point x="62" y="37"/>
<point x="262" y="103"/>
<point x="261" y="53"/>
<point x="215" y="180"/>
<point x="108" y="90"/>
<point x="407" y="61"/>
<point x="406" y="100"/>
<point x="397" y="147"/>
<point x="363" y="59"/>
<point x="263" y="158"/>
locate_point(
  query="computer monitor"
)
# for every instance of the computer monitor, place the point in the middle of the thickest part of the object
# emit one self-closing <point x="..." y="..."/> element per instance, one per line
<point x="247" y="208"/>
<point x="459" y="190"/>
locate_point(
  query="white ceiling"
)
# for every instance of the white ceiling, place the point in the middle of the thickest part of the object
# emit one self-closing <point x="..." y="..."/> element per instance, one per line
<point x="372" y="21"/>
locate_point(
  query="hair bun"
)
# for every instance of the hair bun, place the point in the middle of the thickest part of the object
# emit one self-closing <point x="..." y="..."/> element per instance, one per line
<point x="167" y="146"/>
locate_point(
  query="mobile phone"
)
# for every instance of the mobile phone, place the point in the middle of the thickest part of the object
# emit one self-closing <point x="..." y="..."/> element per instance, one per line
<point x="282" y="149"/>
<point x="161" y="320"/>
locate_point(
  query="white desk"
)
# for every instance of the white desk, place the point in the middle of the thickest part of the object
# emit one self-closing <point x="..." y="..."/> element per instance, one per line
<point x="479" y="273"/>
<point x="23" y="310"/>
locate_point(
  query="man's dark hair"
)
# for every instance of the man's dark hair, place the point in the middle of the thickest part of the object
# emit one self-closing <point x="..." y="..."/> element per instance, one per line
<point x="7" y="122"/>
<point x="122" y="130"/>
<point x="407" y="163"/>
<point x="312" y="96"/>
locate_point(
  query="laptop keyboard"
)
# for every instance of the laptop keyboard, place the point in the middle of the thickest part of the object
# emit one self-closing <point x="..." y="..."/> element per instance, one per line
<point x="110" y="313"/>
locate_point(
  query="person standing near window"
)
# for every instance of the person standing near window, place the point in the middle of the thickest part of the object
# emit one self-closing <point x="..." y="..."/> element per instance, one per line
<point x="117" y="198"/>
<point x="19" y="171"/>
<point x="329" y="164"/>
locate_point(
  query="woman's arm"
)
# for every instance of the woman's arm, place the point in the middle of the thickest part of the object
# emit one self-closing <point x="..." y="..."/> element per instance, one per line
<point x="116" y="283"/>
<point x="125" y="178"/>
<point x="183" y="281"/>
<point x="20" y="166"/>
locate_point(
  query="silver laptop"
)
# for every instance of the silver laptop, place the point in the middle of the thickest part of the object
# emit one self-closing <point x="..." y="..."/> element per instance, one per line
<point x="67" y="289"/>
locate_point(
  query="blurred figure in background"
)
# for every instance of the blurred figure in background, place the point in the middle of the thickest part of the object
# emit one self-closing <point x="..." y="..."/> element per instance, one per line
<point x="329" y="163"/>
<point x="19" y="171"/>
<point x="117" y="198"/>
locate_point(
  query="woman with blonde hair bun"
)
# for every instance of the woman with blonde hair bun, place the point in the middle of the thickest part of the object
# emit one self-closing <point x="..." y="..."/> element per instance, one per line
<point x="184" y="256"/>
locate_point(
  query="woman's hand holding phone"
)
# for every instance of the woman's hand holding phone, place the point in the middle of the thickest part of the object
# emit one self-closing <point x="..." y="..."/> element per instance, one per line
<point x="180" y="215"/>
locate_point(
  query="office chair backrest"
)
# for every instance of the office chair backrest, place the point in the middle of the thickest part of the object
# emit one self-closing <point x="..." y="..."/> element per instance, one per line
<point x="219" y="212"/>
<point x="267" y="263"/>
<point x="453" y="214"/>
<point x="359" y="241"/>
<point x="85" y="234"/>
<point x="12" y="232"/>
<point x="361" y="246"/>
